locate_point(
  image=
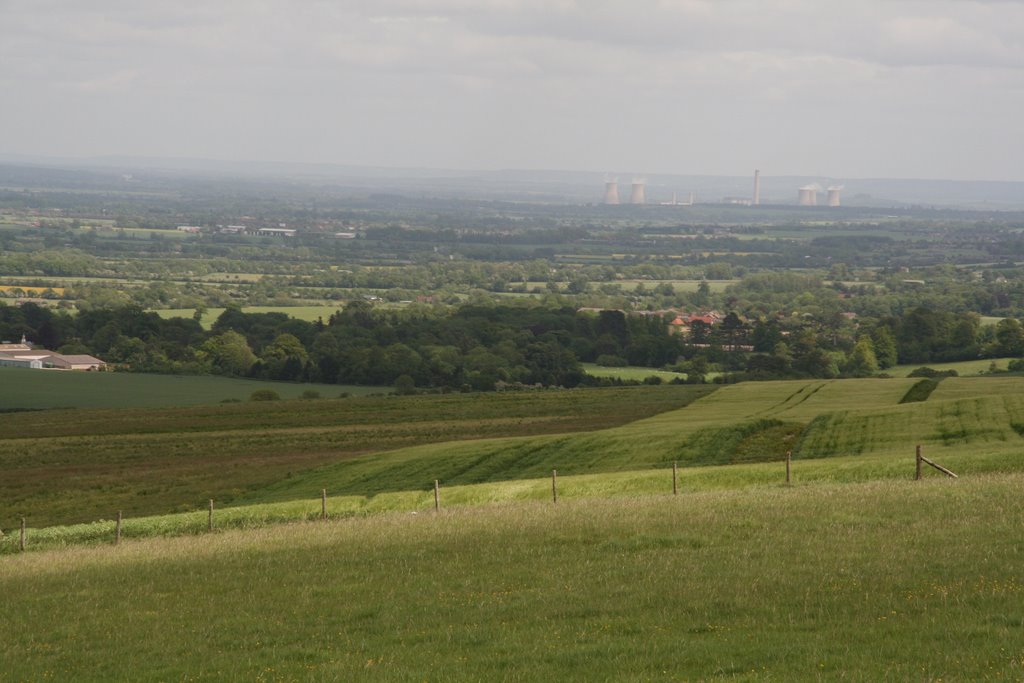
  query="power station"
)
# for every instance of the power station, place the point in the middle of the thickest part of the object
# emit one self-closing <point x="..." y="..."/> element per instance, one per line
<point x="807" y="195"/>
<point x="636" y="196"/>
<point x="611" y="191"/>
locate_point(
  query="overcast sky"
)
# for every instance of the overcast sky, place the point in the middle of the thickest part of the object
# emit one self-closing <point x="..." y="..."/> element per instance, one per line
<point x="841" y="88"/>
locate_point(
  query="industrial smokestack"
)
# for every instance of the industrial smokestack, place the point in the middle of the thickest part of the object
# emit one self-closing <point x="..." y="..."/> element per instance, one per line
<point x="833" y="195"/>
<point x="637" y="195"/>
<point x="757" y="187"/>
<point x="611" y="191"/>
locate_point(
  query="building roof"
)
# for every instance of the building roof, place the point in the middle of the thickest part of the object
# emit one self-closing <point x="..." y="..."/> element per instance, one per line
<point x="82" y="360"/>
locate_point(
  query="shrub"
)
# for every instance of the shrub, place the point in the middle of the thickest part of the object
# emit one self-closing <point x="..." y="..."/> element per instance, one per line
<point x="264" y="395"/>
<point x="610" y="361"/>
<point x="310" y="394"/>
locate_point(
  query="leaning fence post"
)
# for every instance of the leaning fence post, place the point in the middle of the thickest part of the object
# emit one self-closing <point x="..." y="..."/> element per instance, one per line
<point x="210" y="520"/>
<point x="554" y="486"/>
<point x="117" y="531"/>
<point x="917" y="473"/>
<point x="675" y="479"/>
<point x="323" y="503"/>
<point x="22" y="544"/>
<point x="789" y="466"/>
<point x="437" y="496"/>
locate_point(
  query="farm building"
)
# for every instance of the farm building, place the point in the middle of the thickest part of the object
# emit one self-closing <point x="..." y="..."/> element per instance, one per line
<point x="25" y="356"/>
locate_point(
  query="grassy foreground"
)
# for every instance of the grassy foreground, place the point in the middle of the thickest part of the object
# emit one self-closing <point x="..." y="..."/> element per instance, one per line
<point x="865" y="582"/>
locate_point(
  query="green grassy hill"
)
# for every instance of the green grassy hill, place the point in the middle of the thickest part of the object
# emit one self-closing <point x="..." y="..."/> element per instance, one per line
<point x="878" y="581"/>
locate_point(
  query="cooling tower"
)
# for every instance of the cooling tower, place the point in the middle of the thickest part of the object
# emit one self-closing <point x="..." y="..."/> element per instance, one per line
<point x="807" y="196"/>
<point x="833" y="196"/>
<point x="637" y="195"/>
<point x="611" y="192"/>
<point x="757" y="188"/>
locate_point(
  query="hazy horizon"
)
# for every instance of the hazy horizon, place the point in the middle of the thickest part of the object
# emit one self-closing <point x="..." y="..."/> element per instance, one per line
<point x="903" y="89"/>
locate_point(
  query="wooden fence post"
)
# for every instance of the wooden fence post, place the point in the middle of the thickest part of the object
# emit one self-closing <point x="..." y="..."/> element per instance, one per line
<point x="210" y="520"/>
<point x="675" y="479"/>
<point x="789" y="466"/>
<point x="22" y="544"/>
<point x="323" y="503"/>
<point x="437" y="496"/>
<point x="554" y="486"/>
<point x="917" y="473"/>
<point x="117" y="532"/>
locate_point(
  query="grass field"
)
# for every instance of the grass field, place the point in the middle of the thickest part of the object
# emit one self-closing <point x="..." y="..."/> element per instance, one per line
<point x="308" y="313"/>
<point x="38" y="389"/>
<point x="966" y="368"/>
<point x="867" y="582"/>
<point x="744" y="423"/>
<point x="77" y="466"/>
<point x="630" y="372"/>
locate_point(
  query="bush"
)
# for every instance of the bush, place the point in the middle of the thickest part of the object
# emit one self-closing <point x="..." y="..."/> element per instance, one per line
<point x="932" y="373"/>
<point x="652" y="379"/>
<point x="264" y="395"/>
<point x="405" y="385"/>
<point x="610" y="361"/>
<point x="310" y="394"/>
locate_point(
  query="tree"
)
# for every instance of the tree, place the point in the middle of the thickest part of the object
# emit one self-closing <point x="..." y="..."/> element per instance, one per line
<point x="228" y="354"/>
<point x="285" y="357"/>
<point x="884" y="346"/>
<point x="862" y="361"/>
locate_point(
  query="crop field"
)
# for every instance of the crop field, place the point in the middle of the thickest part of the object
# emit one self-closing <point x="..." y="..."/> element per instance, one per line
<point x="39" y="389"/>
<point x="77" y="466"/>
<point x="30" y="290"/>
<point x="824" y="582"/>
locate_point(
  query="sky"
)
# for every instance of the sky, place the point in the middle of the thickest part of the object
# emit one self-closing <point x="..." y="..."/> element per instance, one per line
<point x="837" y="88"/>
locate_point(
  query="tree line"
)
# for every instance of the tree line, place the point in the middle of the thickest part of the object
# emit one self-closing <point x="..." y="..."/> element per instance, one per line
<point x="483" y="347"/>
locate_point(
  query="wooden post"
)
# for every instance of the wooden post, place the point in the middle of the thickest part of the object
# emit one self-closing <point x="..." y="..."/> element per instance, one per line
<point x="22" y="545"/>
<point x="437" y="496"/>
<point x="554" y="486"/>
<point x="937" y="466"/>
<point x="789" y="466"/>
<point x="675" y="479"/>
<point x="917" y="474"/>
<point x="323" y="503"/>
<point x="210" y="521"/>
<point x="117" y="532"/>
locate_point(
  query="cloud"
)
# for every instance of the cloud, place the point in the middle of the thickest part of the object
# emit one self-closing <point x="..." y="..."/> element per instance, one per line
<point x="689" y="85"/>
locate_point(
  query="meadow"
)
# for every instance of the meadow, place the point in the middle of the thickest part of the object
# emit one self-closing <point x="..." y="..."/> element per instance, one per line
<point x="825" y="582"/>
